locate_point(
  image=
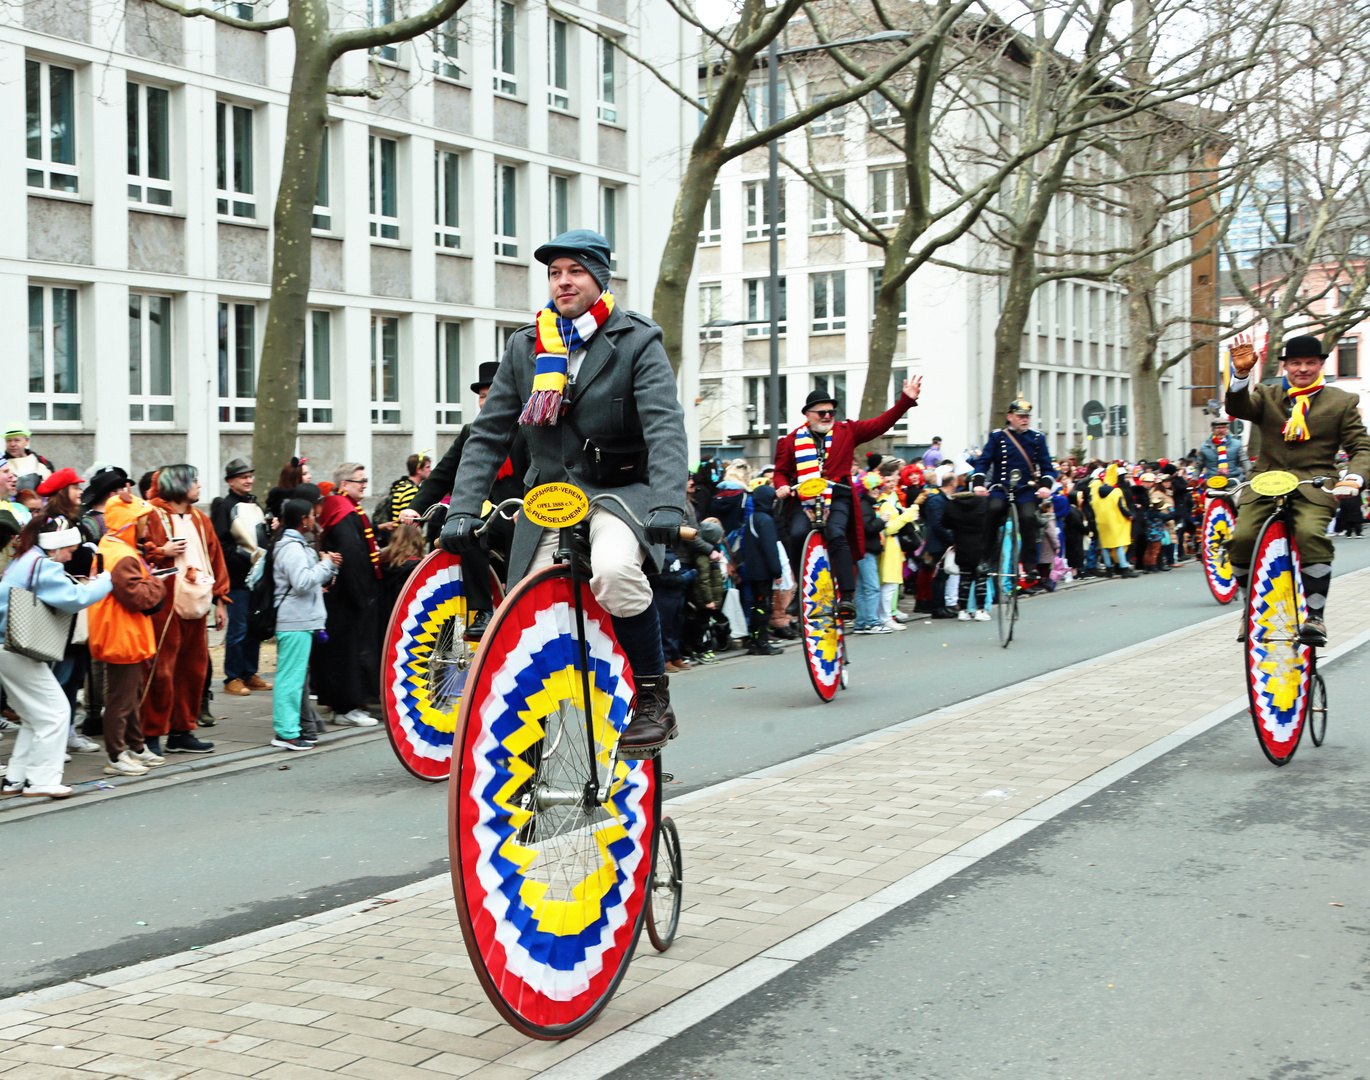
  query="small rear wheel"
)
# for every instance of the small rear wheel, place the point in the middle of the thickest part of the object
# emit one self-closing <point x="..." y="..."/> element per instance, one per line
<point x="668" y="886"/>
<point x="1317" y="710"/>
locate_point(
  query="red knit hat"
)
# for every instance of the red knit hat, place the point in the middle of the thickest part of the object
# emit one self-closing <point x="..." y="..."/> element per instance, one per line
<point x="57" y="481"/>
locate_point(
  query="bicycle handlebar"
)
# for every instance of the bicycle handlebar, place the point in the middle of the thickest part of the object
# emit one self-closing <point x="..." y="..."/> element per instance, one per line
<point x="509" y="507"/>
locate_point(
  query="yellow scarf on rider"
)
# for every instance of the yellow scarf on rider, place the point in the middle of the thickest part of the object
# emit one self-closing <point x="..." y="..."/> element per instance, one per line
<point x="1296" y="428"/>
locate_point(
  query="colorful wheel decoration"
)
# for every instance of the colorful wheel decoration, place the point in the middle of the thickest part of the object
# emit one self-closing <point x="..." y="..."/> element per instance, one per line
<point x="823" y="643"/>
<point x="1278" y="667"/>
<point x="425" y="665"/>
<point x="551" y="895"/>
<point x="1217" y="531"/>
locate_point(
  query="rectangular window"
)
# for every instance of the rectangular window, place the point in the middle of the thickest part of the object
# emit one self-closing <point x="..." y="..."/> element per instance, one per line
<point x="316" y="370"/>
<point x="1348" y="358"/>
<point x="877" y="276"/>
<point x="829" y="301"/>
<point x="447" y="48"/>
<point x="1077" y="314"/>
<point x="235" y="161"/>
<point x="238" y="11"/>
<point x="834" y="383"/>
<point x="558" y="204"/>
<point x="758" y="209"/>
<point x="448" y="391"/>
<point x="323" y="216"/>
<point x="237" y="361"/>
<point x="824" y="214"/>
<point x="883" y="114"/>
<point x="149" y="358"/>
<point x="149" y="145"/>
<point x="50" y="121"/>
<point x="385" y="188"/>
<point x="759" y="308"/>
<point x="608" y="81"/>
<point x="898" y="376"/>
<point x="758" y="105"/>
<point x="506" y="210"/>
<point x="610" y="221"/>
<point x="385" y="369"/>
<point x="378" y="13"/>
<point x="889" y="192"/>
<point x="758" y="402"/>
<point x="506" y="47"/>
<point x="447" y="198"/>
<point x="54" y="376"/>
<point x="558" y="65"/>
<point x="710" y="309"/>
<point x="832" y="122"/>
<point x="712" y="233"/>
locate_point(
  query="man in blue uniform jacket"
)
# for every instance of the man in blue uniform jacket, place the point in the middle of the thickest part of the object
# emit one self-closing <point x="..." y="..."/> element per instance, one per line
<point x="1016" y="446"/>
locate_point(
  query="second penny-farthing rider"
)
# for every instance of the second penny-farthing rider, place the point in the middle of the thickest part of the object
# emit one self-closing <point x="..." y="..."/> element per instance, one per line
<point x="1016" y="448"/>
<point x="591" y="388"/>
<point x="1302" y="423"/>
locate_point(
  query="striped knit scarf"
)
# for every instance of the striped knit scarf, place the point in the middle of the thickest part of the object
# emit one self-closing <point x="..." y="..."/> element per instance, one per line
<point x="558" y="337"/>
<point x="1222" y="455"/>
<point x="1296" y="428"/>
<point x="808" y="462"/>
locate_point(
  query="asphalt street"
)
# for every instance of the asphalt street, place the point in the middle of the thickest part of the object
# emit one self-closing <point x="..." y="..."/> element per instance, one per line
<point x="1203" y="918"/>
<point x="95" y="887"/>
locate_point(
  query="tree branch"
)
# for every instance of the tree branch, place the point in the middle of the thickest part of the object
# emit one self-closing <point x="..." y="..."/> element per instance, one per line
<point x="221" y="17"/>
<point x="391" y="33"/>
<point x="618" y="44"/>
<point x="356" y="91"/>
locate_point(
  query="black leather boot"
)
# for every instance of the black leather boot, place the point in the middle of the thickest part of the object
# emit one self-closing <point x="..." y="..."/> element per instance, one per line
<point x="653" y="724"/>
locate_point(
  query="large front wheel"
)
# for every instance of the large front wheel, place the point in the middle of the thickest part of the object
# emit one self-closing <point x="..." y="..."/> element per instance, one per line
<point x="1218" y="524"/>
<point x="550" y="832"/>
<point x="1278" y="666"/>
<point x="1006" y="576"/>
<point x="824" y="645"/>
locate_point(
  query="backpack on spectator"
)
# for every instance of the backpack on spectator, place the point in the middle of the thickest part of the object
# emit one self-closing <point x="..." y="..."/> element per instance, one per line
<point x="735" y="542"/>
<point x="262" y="604"/>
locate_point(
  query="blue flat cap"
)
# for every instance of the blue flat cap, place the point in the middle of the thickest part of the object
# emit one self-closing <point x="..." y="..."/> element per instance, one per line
<point x="578" y="244"/>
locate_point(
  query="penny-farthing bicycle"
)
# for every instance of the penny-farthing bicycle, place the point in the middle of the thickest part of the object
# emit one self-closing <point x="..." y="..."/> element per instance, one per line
<point x="555" y="835"/>
<point x="425" y="664"/>
<point x="1220" y="518"/>
<point x="1004" y="566"/>
<point x="1283" y="685"/>
<point x="825" y="643"/>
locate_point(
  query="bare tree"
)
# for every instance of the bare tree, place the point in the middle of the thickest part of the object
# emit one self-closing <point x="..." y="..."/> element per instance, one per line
<point x="318" y="46"/>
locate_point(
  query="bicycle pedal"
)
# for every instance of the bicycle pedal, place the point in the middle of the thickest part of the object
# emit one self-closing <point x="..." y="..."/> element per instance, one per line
<point x="643" y="754"/>
<point x="668" y="778"/>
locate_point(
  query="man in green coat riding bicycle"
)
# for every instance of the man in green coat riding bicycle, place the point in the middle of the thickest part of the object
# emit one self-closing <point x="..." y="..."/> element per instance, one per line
<point x="1302" y="423"/>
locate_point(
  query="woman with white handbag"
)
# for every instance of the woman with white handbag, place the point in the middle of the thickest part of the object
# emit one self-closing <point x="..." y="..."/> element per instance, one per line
<point x="38" y="606"/>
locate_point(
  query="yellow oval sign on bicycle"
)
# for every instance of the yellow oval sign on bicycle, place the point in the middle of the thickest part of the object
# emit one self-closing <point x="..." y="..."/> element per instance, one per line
<point x="555" y="506"/>
<point x="1217" y="482"/>
<point x="812" y="488"/>
<point x="1273" y="483"/>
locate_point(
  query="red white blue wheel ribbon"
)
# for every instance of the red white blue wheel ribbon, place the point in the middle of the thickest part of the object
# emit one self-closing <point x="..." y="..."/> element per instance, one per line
<point x="1278" y="666"/>
<point x="818" y="608"/>
<point x="1218" y="524"/>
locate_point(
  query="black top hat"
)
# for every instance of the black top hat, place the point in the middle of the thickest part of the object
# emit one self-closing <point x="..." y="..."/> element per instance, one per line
<point x="1301" y="346"/>
<point x="486" y="376"/>
<point x="817" y="397"/>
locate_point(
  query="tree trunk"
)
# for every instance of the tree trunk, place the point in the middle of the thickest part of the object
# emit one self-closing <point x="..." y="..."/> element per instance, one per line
<point x="884" y="340"/>
<point x="678" y="256"/>
<point x="1149" y="440"/>
<point x="1008" y="332"/>
<point x="278" y="391"/>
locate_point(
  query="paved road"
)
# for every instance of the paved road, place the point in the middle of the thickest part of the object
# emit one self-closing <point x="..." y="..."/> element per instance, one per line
<point x="1187" y="922"/>
<point x="96" y="887"/>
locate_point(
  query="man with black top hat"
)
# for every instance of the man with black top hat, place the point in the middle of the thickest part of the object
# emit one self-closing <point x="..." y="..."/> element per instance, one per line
<point x="1016" y="447"/>
<point x="590" y="388"/>
<point x="1303" y="422"/>
<point x="823" y="448"/>
<point x="235" y="517"/>
<point x="477" y="562"/>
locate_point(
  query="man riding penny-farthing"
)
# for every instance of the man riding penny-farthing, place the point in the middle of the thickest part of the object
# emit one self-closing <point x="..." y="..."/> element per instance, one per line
<point x="555" y="798"/>
<point x="1281" y="555"/>
<point x="1223" y="465"/>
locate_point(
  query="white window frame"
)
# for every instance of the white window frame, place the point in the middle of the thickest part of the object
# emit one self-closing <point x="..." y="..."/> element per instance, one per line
<point x="448" y="374"/>
<point x="756" y="105"/>
<point x="834" y="383"/>
<point x="889" y="195"/>
<point x="710" y="308"/>
<point x="758" y="404"/>
<point x="233" y="389"/>
<point x="151" y="391"/>
<point x="559" y="66"/>
<point x="506" y="209"/>
<point x="54" y="395"/>
<point x="316" y="373"/>
<point x="833" y="122"/>
<point x="144" y="188"/>
<point x="608" y="75"/>
<point x="758" y="222"/>
<point x="712" y="232"/>
<point x="883" y="114"/>
<point x="558" y="204"/>
<point x="385" y="370"/>
<point x="449" y="49"/>
<point x="506" y="47"/>
<point x="323" y="186"/>
<point x="238" y="177"/>
<point x="828" y="295"/>
<point x="378" y="13"/>
<point x="877" y="274"/>
<point x="384" y="211"/>
<point x="447" y="169"/>
<point x="759" y="308"/>
<point x="611" y="216"/>
<point x="823" y="218"/>
<point x="46" y="169"/>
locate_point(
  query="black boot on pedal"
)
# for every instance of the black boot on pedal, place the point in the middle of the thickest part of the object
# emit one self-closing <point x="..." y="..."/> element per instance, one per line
<point x="475" y="629"/>
<point x="1313" y="632"/>
<point x="653" y="724"/>
<point x="846" y="608"/>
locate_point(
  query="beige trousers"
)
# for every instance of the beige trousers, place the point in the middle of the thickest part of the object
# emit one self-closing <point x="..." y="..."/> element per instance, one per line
<point x="616" y="558"/>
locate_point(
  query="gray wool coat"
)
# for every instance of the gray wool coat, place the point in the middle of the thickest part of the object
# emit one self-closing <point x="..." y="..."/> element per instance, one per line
<point x="625" y="386"/>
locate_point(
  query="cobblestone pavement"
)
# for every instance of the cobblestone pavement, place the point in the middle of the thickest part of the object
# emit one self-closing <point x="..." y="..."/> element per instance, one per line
<point x="383" y="990"/>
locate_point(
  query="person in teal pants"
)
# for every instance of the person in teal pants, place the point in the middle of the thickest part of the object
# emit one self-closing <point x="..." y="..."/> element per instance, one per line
<point x="300" y="577"/>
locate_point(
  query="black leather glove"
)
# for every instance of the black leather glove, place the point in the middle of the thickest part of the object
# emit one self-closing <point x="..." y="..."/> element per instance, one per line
<point x="663" y="525"/>
<point x="459" y="533"/>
